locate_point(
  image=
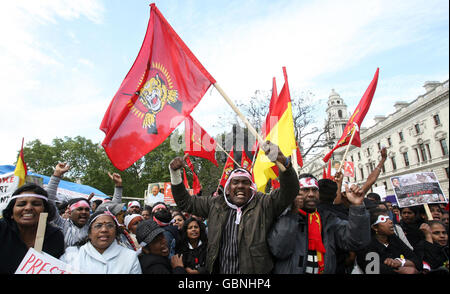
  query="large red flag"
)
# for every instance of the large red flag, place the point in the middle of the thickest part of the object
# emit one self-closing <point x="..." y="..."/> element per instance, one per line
<point x="355" y="121"/>
<point x="198" y="142"/>
<point x="229" y="166"/>
<point x="162" y="87"/>
<point x="196" y="186"/>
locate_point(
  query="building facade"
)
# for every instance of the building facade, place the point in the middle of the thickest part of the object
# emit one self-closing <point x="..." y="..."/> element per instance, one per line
<point x="415" y="135"/>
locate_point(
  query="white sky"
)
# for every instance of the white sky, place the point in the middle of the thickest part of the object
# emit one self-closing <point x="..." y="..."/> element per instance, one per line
<point x="62" y="61"/>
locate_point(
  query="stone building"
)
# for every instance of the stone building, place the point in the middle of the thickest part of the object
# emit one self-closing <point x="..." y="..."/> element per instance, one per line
<point x="415" y="134"/>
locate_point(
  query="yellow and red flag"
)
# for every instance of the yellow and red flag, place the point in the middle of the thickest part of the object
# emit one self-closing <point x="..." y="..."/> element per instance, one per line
<point x="278" y="129"/>
<point x="355" y="121"/>
<point x="164" y="85"/>
<point x="21" y="167"/>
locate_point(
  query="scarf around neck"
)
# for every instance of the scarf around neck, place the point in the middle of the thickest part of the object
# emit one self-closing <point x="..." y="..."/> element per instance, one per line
<point x="315" y="236"/>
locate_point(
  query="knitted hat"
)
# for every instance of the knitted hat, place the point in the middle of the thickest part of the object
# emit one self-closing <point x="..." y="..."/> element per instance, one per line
<point x="134" y="203"/>
<point x="146" y="231"/>
<point x="327" y="190"/>
<point x="129" y="219"/>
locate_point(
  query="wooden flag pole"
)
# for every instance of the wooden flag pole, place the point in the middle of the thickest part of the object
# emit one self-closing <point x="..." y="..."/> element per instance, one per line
<point x="244" y="119"/>
<point x="39" y="241"/>
<point x="348" y="147"/>
<point x="428" y="212"/>
<point x="221" y="148"/>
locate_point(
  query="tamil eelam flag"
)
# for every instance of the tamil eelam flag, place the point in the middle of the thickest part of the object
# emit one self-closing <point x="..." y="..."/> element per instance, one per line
<point x="354" y="123"/>
<point x="198" y="142"/>
<point x="162" y="87"/>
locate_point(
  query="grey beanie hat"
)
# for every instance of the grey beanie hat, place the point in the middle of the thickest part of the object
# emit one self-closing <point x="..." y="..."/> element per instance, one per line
<point x="146" y="231"/>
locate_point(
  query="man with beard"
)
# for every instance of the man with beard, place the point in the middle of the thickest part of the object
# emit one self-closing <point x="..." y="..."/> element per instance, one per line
<point x="162" y="216"/>
<point x="305" y="241"/>
<point x="238" y="221"/>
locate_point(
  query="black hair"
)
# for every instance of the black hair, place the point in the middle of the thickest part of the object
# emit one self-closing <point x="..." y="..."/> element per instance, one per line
<point x="30" y="187"/>
<point x="183" y="233"/>
<point x="91" y="219"/>
<point x="374" y="196"/>
<point x="374" y="213"/>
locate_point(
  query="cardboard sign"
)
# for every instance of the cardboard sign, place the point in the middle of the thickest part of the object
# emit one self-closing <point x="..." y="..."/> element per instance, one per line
<point x="38" y="263"/>
<point x="417" y="189"/>
<point x="8" y="184"/>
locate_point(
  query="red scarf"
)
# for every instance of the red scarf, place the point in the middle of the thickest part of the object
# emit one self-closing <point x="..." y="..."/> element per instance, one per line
<point x="315" y="236"/>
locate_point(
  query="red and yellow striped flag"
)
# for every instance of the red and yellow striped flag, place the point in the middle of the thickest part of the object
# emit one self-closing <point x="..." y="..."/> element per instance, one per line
<point x="279" y="129"/>
<point x="21" y="167"/>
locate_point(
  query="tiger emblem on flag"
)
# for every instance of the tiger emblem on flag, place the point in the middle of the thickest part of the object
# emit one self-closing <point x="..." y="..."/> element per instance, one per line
<point x="156" y="93"/>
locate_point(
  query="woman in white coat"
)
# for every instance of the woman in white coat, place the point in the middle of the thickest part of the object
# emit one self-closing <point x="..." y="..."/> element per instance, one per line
<point x="102" y="254"/>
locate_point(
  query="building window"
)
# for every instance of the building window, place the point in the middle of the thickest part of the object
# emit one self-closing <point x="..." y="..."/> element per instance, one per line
<point x="422" y="152"/>
<point x="359" y="156"/>
<point x="379" y="145"/>
<point x="437" y="120"/>
<point x="405" y="158"/>
<point x="368" y="151"/>
<point x="417" y="154"/>
<point x="417" y="128"/>
<point x="400" y="135"/>
<point x="428" y="150"/>
<point x="394" y="165"/>
<point x="446" y="172"/>
<point x="389" y="141"/>
<point x="351" y="158"/>
<point x="443" y="146"/>
<point x="340" y="113"/>
<point x="362" y="173"/>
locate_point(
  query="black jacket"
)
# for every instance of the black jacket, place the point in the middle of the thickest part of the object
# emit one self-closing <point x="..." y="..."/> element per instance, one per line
<point x="194" y="258"/>
<point x="13" y="249"/>
<point x="395" y="249"/>
<point x="435" y="255"/>
<point x="288" y="239"/>
<point x="156" y="264"/>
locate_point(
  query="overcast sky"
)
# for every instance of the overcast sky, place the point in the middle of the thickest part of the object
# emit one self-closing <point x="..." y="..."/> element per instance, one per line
<point x="62" y="61"/>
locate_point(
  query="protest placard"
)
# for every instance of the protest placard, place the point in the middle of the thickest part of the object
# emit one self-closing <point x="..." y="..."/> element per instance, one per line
<point x="417" y="189"/>
<point x="8" y="184"/>
<point x="38" y="263"/>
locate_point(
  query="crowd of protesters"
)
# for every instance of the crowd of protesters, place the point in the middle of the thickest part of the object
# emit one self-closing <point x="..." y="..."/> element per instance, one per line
<point x="307" y="226"/>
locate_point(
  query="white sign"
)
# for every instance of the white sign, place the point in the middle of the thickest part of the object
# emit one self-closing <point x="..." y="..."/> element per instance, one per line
<point x="39" y="263"/>
<point x="8" y="184"/>
<point x="417" y="189"/>
<point x="380" y="190"/>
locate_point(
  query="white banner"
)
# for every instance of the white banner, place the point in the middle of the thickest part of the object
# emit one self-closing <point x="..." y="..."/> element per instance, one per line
<point x="8" y="184"/>
<point x="39" y="263"/>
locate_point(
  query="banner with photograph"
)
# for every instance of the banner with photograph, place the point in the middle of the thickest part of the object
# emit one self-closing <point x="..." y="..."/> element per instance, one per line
<point x="417" y="189"/>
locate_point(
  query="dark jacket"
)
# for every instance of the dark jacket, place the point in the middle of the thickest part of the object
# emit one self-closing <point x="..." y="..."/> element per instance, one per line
<point x="288" y="239"/>
<point x="155" y="264"/>
<point x="194" y="258"/>
<point x="13" y="249"/>
<point x="395" y="249"/>
<point x="436" y="256"/>
<point x="257" y="218"/>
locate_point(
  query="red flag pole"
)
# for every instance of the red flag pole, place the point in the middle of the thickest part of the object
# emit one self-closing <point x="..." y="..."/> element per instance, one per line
<point x="348" y="146"/>
<point x="244" y="119"/>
